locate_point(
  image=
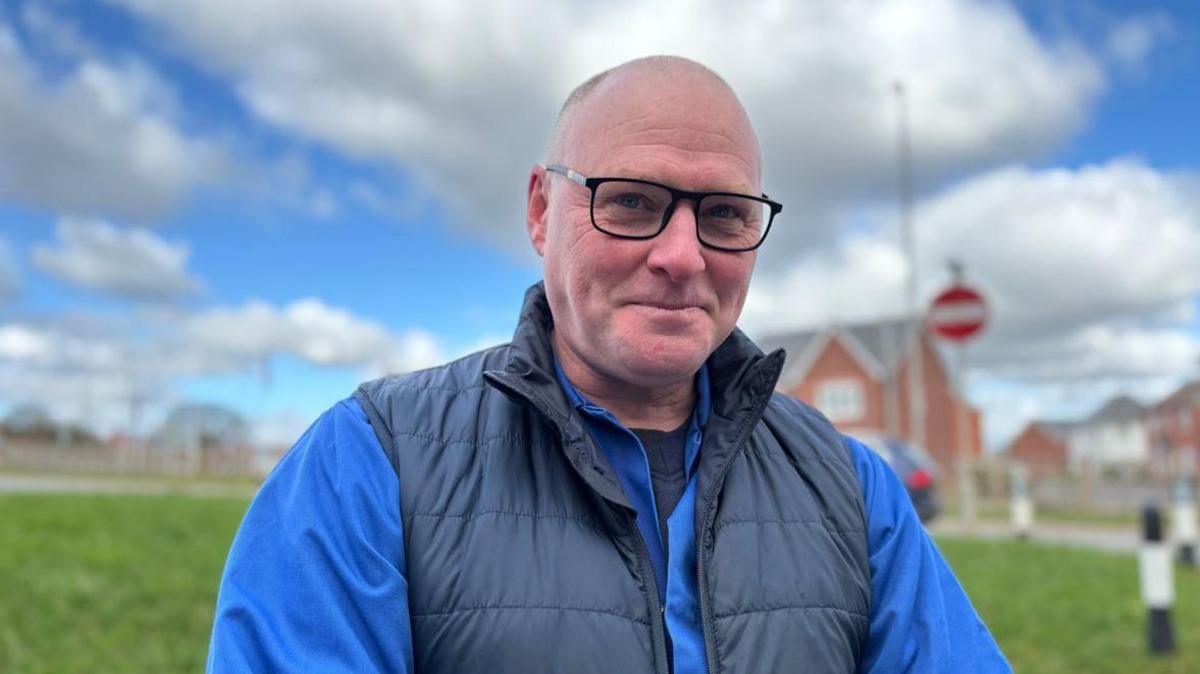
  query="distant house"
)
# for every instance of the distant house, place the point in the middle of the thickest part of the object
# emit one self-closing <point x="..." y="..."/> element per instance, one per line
<point x="1042" y="447"/>
<point x="857" y="375"/>
<point x="32" y="425"/>
<point x="1173" y="426"/>
<point x="202" y="438"/>
<point x="1112" y="438"/>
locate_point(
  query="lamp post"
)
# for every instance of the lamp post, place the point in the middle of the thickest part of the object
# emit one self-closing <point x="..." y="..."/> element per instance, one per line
<point x="911" y="335"/>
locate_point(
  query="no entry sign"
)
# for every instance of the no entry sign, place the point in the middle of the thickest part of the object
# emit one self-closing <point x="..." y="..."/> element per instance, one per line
<point x="958" y="314"/>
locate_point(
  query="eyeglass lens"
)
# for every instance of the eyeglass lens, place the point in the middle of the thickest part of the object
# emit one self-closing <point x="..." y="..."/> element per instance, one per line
<point x="637" y="210"/>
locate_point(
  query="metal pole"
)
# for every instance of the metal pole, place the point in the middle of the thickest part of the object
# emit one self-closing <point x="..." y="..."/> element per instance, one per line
<point x="894" y="354"/>
<point x="963" y="457"/>
<point x="966" y="481"/>
<point x="913" y="344"/>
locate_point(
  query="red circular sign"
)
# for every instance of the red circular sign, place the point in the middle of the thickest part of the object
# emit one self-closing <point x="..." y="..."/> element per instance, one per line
<point x="958" y="313"/>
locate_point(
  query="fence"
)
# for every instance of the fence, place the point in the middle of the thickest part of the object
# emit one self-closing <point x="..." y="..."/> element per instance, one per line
<point x="136" y="459"/>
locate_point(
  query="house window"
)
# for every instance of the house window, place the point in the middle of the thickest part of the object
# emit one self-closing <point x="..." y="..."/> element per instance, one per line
<point x="841" y="399"/>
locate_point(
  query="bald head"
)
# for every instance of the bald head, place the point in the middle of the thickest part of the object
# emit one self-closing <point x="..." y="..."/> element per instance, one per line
<point x="649" y="83"/>
<point x="644" y="312"/>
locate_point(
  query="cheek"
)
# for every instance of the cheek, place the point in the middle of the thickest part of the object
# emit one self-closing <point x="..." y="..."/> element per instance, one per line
<point x="731" y="278"/>
<point x="562" y="243"/>
<point x="578" y="266"/>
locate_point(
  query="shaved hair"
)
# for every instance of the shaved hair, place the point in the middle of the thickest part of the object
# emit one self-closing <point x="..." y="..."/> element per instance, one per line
<point x="660" y="64"/>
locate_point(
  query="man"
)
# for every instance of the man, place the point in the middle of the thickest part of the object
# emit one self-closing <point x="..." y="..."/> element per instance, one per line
<point x="618" y="489"/>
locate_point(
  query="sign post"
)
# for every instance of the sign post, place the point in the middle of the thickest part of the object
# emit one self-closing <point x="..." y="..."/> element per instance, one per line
<point x="958" y="314"/>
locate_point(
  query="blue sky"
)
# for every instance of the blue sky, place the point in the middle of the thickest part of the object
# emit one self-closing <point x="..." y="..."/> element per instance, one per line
<point x="344" y="181"/>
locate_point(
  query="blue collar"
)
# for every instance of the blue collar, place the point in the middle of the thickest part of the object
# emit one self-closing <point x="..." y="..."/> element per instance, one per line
<point x="696" y="425"/>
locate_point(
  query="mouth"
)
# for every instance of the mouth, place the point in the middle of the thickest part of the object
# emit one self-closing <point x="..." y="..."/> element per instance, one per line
<point x="668" y="306"/>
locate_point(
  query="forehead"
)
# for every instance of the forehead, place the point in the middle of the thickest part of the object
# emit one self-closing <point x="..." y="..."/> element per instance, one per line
<point x="682" y="128"/>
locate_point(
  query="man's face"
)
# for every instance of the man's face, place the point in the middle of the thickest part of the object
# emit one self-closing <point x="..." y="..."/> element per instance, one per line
<point x="648" y="312"/>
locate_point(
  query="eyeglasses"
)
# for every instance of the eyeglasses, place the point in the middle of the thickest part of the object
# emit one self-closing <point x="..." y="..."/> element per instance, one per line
<point x="628" y="208"/>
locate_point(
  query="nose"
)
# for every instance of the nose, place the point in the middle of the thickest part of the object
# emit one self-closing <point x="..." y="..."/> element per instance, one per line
<point x="676" y="251"/>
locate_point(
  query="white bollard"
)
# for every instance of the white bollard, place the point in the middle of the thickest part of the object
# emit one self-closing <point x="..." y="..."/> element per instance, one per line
<point x="1183" y="522"/>
<point x="1155" y="573"/>
<point x="1020" y="505"/>
<point x="1022" y="515"/>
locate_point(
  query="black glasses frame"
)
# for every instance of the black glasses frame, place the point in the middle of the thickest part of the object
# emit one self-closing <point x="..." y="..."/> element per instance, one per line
<point x="677" y="195"/>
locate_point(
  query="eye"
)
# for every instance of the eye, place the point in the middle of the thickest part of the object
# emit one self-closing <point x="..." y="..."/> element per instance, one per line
<point x="724" y="211"/>
<point x="630" y="200"/>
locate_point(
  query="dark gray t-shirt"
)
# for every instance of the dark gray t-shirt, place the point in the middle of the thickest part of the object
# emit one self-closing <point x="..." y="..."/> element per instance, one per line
<point x="664" y="450"/>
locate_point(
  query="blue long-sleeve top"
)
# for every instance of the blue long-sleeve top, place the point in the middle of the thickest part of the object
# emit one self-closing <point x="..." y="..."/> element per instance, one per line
<point x="315" y="579"/>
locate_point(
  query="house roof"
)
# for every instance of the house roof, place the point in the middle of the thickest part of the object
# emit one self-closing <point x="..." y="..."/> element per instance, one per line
<point x="1188" y="394"/>
<point x="1121" y="408"/>
<point x="1059" y="430"/>
<point x="877" y="346"/>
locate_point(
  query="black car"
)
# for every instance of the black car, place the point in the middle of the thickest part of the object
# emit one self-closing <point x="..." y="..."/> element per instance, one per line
<point x="916" y="470"/>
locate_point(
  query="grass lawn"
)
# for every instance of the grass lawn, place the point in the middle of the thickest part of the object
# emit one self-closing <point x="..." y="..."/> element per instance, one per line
<point x="1058" y="610"/>
<point x="127" y="583"/>
<point x="110" y="583"/>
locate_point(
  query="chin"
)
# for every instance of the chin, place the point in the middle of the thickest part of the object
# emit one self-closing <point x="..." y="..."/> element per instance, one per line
<point x="665" y="358"/>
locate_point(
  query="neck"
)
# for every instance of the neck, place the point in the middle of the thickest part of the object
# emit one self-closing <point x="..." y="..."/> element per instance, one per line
<point x="658" y="407"/>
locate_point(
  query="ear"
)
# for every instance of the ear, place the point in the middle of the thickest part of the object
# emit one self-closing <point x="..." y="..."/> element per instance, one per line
<point x="537" y="208"/>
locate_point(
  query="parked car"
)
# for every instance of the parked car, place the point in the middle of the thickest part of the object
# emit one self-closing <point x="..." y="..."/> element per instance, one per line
<point x="915" y="468"/>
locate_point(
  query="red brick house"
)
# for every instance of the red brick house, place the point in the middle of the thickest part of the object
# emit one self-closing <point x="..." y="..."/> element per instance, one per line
<point x="1174" y="429"/>
<point x="858" y="376"/>
<point x="1043" y="448"/>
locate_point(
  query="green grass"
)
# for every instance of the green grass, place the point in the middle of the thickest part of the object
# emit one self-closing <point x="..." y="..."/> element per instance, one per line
<point x="1058" y="610"/>
<point x="110" y="583"/>
<point x="128" y="584"/>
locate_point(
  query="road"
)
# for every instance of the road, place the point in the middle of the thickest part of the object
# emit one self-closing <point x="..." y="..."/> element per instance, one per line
<point x="28" y="483"/>
<point x="1106" y="538"/>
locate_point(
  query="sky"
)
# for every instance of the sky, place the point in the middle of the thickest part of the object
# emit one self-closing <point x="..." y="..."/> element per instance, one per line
<point x="261" y="204"/>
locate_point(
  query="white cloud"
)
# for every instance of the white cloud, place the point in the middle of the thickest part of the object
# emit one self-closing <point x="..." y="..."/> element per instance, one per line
<point x="1130" y="41"/>
<point x="311" y="330"/>
<point x="21" y="342"/>
<point x="1097" y="351"/>
<point x="412" y="350"/>
<point x="132" y="263"/>
<point x="100" y="139"/>
<point x="462" y="95"/>
<point x="860" y="278"/>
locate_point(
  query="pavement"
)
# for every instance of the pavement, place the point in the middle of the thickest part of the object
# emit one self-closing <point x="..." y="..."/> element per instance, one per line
<point x="1104" y="538"/>
<point x="73" y="484"/>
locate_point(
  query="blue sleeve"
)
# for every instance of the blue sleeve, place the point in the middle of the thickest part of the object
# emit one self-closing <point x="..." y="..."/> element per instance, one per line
<point x="315" y="580"/>
<point x="921" y="619"/>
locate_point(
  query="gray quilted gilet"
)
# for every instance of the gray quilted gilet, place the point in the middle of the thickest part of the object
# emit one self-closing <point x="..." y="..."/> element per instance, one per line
<point x="523" y="554"/>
